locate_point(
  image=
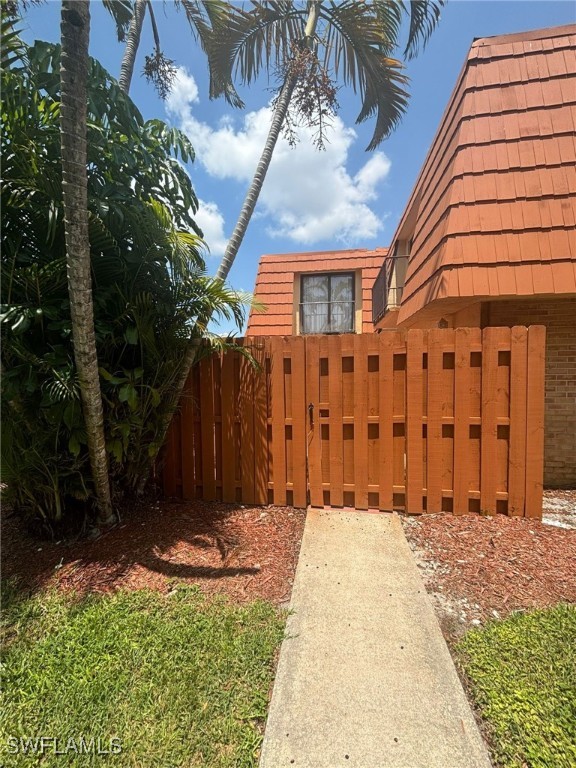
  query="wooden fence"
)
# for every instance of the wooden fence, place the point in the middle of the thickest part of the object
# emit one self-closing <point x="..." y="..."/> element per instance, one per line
<point x="420" y="420"/>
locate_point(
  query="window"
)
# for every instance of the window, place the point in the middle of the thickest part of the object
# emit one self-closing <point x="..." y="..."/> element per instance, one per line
<point x="397" y="273"/>
<point x="389" y="285"/>
<point x="327" y="303"/>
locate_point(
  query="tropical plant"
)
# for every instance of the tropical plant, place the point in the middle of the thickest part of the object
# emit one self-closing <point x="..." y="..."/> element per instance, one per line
<point x="149" y="285"/>
<point x="159" y="69"/>
<point x="75" y="35"/>
<point x="351" y="40"/>
<point x="310" y="45"/>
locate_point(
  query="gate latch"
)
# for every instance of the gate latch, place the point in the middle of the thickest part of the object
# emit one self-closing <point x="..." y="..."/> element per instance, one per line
<point x="311" y="414"/>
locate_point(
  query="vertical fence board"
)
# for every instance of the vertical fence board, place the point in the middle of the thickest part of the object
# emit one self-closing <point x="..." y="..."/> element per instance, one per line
<point x="278" y="421"/>
<point x="491" y="340"/>
<point x="217" y="396"/>
<point x="260" y="423"/>
<point x="373" y="425"/>
<point x="462" y="384"/>
<point x="535" y="420"/>
<point x="245" y="431"/>
<point x="207" y="429"/>
<point x="488" y="415"/>
<point x="313" y="428"/>
<point x="187" y="427"/>
<point x="361" y="421"/>
<point x="299" y="422"/>
<point x="228" y="415"/>
<point x="171" y="457"/>
<point x="195" y="389"/>
<point x="386" y="420"/>
<point x="348" y="441"/>
<point x="414" y="466"/>
<point x="335" y="410"/>
<point x="246" y="413"/>
<point x="436" y="344"/>
<point x="518" y="392"/>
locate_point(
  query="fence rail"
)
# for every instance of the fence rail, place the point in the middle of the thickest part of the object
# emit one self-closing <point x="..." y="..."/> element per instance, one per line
<point x="420" y="420"/>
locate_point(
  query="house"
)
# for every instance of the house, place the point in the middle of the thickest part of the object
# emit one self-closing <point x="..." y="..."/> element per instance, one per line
<point x="488" y="237"/>
<point x="315" y="292"/>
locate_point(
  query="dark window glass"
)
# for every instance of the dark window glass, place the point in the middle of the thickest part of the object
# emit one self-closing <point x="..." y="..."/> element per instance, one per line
<point x="327" y="303"/>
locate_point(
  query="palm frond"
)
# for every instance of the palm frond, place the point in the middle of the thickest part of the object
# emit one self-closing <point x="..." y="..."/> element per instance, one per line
<point x="243" y="43"/>
<point x="424" y="17"/>
<point x="360" y="42"/>
<point x="12" y="49"/>
<point x="121" y="11"/>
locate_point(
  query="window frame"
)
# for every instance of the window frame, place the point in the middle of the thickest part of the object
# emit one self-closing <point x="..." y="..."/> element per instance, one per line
<point x="345" y="273"/>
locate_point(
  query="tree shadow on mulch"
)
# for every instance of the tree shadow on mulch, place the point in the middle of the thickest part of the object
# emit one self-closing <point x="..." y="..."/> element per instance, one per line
<point x="244" y="552"/>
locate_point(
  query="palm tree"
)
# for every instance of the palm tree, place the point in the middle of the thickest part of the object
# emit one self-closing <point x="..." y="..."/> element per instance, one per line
<point x="132" y="44"/>
<point x="160" y="70"/>
<point x="358" y="40"/>
<point x="75" y="33"/>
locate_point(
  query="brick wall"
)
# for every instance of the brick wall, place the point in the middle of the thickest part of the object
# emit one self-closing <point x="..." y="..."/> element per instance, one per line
<point x="559" y="317"/>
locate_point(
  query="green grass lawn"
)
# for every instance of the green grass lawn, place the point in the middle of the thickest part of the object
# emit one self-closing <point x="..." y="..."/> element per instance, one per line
<point x="522" y="674"/>
<point x="175" y="680"/>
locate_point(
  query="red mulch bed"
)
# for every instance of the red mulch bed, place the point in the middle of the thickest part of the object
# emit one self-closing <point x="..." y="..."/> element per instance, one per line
<point x="475" y="567"/>
<point x="478" y="568"/>
<point x="243" y="552"/>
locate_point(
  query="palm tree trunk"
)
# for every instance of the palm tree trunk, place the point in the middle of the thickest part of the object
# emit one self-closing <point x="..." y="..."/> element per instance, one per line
<point x="257" y="182"/>
<point x="255" y="188"/>
<point x="248" y="207"/>
<point x="233" y="245"/>
<point x="75" y="33"/>
<point x="186" y="366"/>
<point x="132" y="43"/>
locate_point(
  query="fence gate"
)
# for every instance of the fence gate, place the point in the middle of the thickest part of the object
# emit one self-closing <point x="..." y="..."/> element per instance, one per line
<point x="420" y="420"/>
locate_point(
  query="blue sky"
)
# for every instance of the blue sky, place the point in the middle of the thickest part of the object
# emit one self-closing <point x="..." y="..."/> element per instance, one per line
<point x="340" y="198"/>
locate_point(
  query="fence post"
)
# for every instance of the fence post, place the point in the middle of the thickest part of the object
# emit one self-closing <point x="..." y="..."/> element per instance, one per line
<point x="414" y="441"/>
<point x="535" y="420"/>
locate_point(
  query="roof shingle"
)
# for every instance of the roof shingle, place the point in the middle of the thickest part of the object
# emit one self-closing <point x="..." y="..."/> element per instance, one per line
<point x="497" y="191"/>
<point x="275" y="285"/>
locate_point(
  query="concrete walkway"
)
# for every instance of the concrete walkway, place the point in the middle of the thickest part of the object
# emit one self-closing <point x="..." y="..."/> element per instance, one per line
<point x="365" y="678"/>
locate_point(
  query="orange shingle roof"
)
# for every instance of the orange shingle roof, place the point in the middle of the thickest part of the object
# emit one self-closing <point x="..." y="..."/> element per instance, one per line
<point x="275" y="285"/>
<point x="495" y="203"/>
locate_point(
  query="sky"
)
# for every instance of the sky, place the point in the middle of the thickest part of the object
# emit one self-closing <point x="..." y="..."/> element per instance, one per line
<point x="312" y="200"/>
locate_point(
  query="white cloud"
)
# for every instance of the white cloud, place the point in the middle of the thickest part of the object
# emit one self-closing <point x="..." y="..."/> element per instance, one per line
<point x="308" y="195"/>
<point x="211" y="222"/>
<point x="369" y="176"/>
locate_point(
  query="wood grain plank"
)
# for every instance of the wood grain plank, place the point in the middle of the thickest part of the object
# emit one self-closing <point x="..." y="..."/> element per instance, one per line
<point x="535" y="420"/>
<point x="207" y="429"/>
<point x="348" y="467"/>
<point x="313" y="430"/>
<point x="260" y="423"/>
<point x="187" y="442"/>
<point x="278" y="420"/>
<point x="361" y="421"/>
<point x="170" y="458"/>
<point x="437" y="343"/>
<point x="195" y="375"/>
<point x="414" y="461"/>
<point x="228" y="415"/>
<point x="246" y="414"/>
<point x="387" y="342"/>
<point x="492" y="339"/>
<point x="335" y="423"/>
<point x="464" y="339"/>
<point x="518" y="395"/>
<point x="299" y="422"/>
